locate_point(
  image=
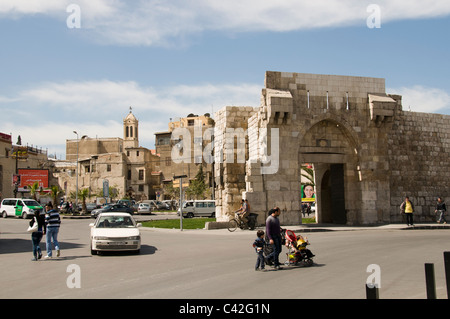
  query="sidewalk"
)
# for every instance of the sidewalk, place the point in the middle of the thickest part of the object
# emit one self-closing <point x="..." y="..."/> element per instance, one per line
<point x="334" y="227"/>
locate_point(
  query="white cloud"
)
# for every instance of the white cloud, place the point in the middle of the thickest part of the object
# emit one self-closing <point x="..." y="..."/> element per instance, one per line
<point x="94" y="98"/>
<point x="48" y="113"/>
<point x="419" y="98"/>
<point x="167" y="22"/>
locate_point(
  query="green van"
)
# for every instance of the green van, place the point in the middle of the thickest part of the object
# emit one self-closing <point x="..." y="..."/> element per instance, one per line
<point x="20" y="207"/>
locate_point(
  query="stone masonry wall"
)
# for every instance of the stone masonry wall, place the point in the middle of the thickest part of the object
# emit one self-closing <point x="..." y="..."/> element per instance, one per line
<point x="419" y="156"/>
<point x="230" y="154"/>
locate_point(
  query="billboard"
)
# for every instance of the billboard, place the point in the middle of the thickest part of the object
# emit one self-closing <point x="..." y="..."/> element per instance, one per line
<point x="29" y="176"/>
<point x="308" y="193"/>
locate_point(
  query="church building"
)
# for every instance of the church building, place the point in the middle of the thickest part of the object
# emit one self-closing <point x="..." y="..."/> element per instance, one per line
<point x="127" y="166"/>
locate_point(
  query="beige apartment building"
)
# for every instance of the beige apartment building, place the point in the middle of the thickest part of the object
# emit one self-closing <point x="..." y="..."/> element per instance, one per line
<point x="29" y="162"/>
<point x="182" y="154"/>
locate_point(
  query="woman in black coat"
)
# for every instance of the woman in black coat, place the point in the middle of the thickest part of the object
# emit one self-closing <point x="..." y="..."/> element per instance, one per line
<point x="36" y="236"/>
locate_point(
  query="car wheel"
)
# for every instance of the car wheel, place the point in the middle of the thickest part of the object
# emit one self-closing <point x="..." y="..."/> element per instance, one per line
<point x="190" y="215"/>
<point x="24" y="215"/>
<point x="4" y="214"/>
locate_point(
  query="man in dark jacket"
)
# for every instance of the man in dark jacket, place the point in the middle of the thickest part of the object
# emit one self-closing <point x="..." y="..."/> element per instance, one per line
<point x="441" y="209"/>
<point x="273" y="232"/>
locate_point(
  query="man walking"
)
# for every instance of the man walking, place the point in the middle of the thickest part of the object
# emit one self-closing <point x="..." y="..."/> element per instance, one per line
<point x="53" y="222"/>
<point x="441" y="209"/>
<point x="273" y="232"/>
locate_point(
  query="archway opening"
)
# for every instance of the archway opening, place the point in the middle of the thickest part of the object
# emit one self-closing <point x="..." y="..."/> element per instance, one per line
<point x="331" y="150"/>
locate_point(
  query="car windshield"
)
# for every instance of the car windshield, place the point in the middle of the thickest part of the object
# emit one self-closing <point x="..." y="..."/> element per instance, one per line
<point x="115" y="222"/>
<point x="31" y="203"/>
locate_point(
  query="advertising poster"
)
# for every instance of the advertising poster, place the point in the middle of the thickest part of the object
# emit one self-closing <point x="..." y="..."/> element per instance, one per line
<point x="30" y="176"/>
<point x="308" y="193"/>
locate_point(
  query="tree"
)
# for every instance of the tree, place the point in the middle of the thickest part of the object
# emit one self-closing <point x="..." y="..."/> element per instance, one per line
<point x="34" y="189"/>
<point x="308" y="173"/>
<point x="173" y="193"/>
<point x="198" y="187"/>
<point x="83" y="194"/>
<point x="55" y="192"/>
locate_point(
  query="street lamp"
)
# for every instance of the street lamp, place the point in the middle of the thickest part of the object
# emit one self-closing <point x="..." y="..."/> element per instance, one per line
<point x="181" y="199"/>
<point x="76" y="172"/>
<point x="76" y="194"/>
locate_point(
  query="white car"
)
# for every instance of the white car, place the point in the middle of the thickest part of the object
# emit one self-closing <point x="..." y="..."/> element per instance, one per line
<point x="115" y="232"/>
<point x="144" y="208"/>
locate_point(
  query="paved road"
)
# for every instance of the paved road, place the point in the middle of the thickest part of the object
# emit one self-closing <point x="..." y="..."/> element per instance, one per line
<point x="218" y="264"/>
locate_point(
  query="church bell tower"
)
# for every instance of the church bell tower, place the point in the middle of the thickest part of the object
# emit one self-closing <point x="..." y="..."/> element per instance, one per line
<point x="130" y="130"/>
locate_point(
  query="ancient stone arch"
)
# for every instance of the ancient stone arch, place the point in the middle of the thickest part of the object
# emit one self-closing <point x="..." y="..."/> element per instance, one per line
<point x="358" y="138"/>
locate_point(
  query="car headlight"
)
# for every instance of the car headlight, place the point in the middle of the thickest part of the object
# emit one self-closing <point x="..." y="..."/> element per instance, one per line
<point x="134" y="237"/>
<point x="100" y="238"/>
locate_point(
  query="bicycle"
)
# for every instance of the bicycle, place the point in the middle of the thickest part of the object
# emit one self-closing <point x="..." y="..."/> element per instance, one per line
<point x="238" y="222"/>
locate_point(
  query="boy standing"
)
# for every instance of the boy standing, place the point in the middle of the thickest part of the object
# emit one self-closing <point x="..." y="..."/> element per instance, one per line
<point x="258" y="244"/>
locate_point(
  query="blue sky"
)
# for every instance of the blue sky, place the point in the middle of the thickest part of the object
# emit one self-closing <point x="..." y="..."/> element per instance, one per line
<point x="167" y="59"/>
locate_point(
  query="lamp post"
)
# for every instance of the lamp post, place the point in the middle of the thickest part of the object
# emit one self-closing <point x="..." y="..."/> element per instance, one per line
<point x="181" y="199"/>
<point x="76" y="172"/>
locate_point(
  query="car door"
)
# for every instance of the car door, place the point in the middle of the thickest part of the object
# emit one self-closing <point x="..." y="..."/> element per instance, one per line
<point x="19" y="208"/>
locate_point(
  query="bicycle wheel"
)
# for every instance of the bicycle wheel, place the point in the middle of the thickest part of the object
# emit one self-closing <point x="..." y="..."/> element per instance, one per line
<point x="233" y="225"/>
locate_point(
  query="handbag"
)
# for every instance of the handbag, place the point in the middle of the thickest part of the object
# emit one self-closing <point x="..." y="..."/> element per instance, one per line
<point x="33" y="228"/>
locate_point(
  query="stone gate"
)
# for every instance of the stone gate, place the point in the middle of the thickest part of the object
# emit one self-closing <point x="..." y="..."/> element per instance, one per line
<point x="367" y="152"/>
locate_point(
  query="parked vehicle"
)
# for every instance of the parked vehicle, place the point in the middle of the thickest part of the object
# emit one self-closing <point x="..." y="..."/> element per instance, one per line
<point x="115" y="232"/>
<point x="89" y="207"/>
<point x="144" y="208"/>
<point x="171" y="203"/>
<point x="126" y="202"/>
<point x="20" y="207"/>
<point x="200" y="208"/>
<point x="157" y="205"/>
<point x="112" y="208"/>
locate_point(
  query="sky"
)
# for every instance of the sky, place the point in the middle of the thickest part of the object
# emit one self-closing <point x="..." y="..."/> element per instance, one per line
<point x="68" y="65"/>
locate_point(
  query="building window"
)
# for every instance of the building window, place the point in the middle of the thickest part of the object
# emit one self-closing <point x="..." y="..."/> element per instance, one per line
<point x="141" y="188"/>
<point x="137" y="153"/>
<point x="129" y="174"/>
<point x="108" y="167"/>
<point x="168" y="161"/>
<point x="141" y="174"/>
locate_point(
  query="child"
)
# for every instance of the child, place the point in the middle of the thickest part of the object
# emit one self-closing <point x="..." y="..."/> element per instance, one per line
<point x="258" y="244"/>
